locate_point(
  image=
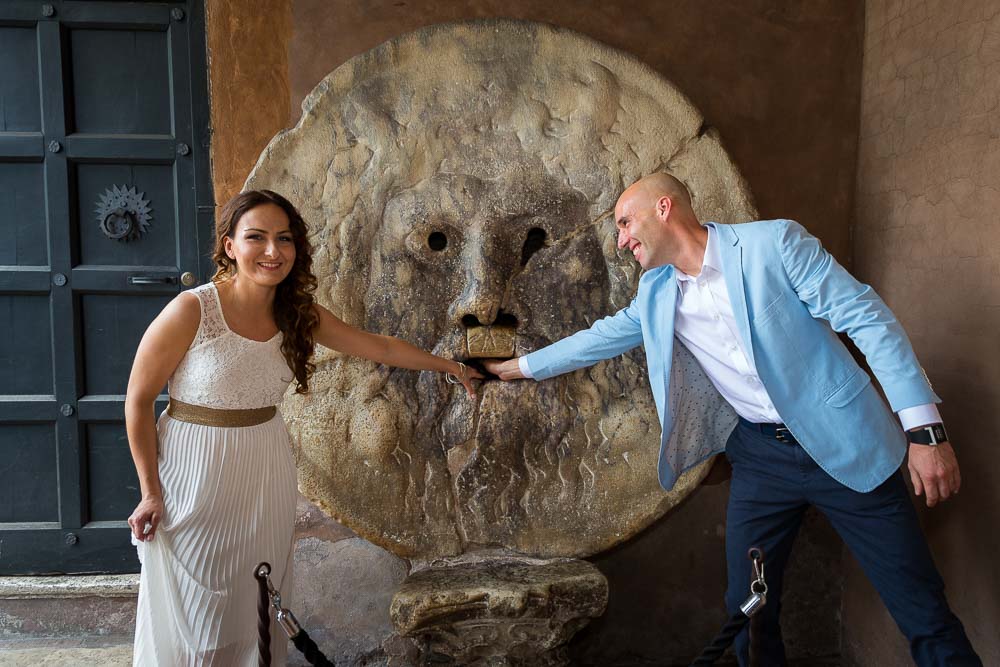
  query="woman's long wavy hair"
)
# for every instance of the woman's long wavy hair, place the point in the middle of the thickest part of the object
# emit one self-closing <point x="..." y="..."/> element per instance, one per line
<point x="293" y="303"/>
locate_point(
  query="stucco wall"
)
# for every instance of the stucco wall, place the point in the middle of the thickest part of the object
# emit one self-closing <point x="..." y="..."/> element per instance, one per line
<point x="928" y="239"/>
<point x="248" y="84"/>
<point x="780" y="81"/>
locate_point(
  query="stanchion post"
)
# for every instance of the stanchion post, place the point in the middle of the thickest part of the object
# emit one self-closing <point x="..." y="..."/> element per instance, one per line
<point x="261" y="573"/>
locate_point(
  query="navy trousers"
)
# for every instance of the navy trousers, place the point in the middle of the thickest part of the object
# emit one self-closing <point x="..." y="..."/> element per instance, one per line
<point x="773" y="484"/>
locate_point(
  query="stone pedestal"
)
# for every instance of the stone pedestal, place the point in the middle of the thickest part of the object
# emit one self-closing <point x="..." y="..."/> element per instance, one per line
<point x="499" y="610"/>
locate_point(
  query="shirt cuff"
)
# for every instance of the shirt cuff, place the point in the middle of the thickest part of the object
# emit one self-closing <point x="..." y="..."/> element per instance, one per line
<point x="522" y="365"/>
<point x="919" y="415"/>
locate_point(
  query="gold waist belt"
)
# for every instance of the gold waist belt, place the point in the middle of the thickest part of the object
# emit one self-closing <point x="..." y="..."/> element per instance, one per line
<point x="199" y="414"/>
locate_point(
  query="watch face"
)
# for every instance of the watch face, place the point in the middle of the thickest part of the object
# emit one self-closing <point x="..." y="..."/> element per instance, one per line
<point x="939" y="433"/>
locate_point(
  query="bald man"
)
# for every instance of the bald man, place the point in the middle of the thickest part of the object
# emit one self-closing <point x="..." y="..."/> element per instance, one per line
<point x="759" y="305"/>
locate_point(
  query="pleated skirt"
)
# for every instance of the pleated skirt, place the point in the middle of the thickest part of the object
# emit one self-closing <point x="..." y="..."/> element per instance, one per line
<point x="229" y="503"/>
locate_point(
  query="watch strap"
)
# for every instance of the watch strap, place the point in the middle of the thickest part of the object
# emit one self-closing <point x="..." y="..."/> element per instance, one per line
<point x="932" y="434"/>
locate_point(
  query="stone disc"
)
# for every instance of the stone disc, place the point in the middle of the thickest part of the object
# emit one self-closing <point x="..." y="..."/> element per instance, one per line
<point x="463" y="177"/>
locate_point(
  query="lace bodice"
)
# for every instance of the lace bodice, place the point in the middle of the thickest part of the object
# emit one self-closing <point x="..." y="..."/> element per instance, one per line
<point x="225" y="370"/>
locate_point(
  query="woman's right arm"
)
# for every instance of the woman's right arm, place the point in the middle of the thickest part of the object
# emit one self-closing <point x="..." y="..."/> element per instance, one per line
<point x="161" y="349"/>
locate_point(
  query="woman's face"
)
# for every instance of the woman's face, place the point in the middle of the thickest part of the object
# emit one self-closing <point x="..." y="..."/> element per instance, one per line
<point x="262" y="245"/>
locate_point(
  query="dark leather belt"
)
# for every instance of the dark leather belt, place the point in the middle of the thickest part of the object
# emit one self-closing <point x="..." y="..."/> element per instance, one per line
<point x="777" y="431"/>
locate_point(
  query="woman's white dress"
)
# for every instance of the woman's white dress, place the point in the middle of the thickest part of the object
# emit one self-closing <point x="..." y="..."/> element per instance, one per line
<point x="229" y="496"/>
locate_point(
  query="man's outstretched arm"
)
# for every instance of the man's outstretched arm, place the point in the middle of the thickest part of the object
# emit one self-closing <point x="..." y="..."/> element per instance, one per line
<point x="606" y="338"/>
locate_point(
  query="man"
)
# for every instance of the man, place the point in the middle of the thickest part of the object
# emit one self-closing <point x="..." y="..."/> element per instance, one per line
<point x="759" y="306"/>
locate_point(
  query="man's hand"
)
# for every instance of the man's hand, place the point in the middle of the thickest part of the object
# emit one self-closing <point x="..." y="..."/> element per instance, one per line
<point x="505" y="370"/>
<point x="934" y="471"/>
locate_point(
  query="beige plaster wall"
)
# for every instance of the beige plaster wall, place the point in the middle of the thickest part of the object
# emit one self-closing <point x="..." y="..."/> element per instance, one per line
<point x="248" y="84"/>
<point x="928" y="239"/>
<point x="780" y="79"/>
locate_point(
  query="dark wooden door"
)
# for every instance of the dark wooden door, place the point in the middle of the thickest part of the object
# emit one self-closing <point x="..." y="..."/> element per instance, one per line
<point x="105" y="214"/>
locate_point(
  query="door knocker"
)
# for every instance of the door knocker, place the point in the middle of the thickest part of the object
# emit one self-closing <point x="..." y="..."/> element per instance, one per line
<point x="123" y="214"/>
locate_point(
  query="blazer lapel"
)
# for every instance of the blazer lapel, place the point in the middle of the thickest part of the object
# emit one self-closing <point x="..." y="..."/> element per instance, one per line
<point x="658" y="301"/>
<point x="731" y="251"/>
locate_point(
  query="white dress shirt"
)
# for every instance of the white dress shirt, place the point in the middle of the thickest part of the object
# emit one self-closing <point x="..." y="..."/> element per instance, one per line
<point x="705" y="323"/>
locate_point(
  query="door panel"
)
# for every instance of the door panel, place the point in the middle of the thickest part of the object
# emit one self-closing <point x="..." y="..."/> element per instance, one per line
<point x="26" y="352"/>
<point x="22" y="193"/>
<point x="154" y="186"/>
<point x="104" y="202"/>
<point x="19" y="98"/>
<point x="121" y="81"/>
<point x="114" y="490"/>
<point x="112" y="326"/>
<point x="28" y="468"/>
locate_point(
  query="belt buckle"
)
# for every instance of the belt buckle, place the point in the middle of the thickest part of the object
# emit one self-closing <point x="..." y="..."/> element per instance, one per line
<point x="781" y="434"/>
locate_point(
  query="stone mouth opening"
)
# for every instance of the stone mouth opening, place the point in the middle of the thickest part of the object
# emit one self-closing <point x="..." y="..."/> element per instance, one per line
<point x="503" y="319"/>
<point x="479" y="366"/>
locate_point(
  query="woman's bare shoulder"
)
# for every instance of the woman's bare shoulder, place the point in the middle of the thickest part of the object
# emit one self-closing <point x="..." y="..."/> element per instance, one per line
<point x="180" y="317"/>
<point x="186" y="306"/>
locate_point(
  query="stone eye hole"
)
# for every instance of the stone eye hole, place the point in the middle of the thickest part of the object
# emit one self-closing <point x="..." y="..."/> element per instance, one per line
<point x="437" y="241"/>
<point x="532" y="244"/>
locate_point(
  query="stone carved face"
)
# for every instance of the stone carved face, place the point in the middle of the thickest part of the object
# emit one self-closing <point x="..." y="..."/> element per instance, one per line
<point x="462" y="199"/>
<point x="460" y="255"/>
<point x="470" y="241"/>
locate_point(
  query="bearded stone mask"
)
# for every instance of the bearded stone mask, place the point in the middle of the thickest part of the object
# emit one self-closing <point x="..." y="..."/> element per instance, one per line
<point x="460" y="183"/>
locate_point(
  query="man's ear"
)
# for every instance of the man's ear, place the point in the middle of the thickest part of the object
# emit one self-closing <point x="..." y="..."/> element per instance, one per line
<point x="663" y="207"/>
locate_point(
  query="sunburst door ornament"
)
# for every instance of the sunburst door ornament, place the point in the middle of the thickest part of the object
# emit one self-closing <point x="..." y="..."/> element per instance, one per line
<point x="123" y="214"/>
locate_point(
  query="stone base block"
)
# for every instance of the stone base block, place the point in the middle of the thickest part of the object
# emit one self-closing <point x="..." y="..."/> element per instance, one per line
<point x="499" y="611"/>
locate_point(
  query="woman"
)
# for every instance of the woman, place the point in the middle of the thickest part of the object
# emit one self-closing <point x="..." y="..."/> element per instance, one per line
<point x="216" y="472"/>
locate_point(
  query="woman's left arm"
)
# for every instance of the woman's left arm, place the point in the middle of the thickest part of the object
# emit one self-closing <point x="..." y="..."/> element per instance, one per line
<point x="334" y="333"/>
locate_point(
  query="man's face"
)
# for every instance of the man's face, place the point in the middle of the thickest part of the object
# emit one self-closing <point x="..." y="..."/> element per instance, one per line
<point x="640" y="228"/>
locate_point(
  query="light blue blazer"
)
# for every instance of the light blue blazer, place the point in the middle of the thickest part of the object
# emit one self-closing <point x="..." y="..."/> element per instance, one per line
<point x="790" y="297"/>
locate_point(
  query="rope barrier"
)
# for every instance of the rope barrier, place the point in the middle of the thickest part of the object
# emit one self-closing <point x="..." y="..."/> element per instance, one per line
<point x="307" y="647"/>
<point x="722" y="640"/>
<point x="269" y="597"/>
<point x="263" y="615"/>
<point x="739" y="620"/>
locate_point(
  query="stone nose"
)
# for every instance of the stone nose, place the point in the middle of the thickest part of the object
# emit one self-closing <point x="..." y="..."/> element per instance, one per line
<point x="480" y="301"/>
<point x="485" y="281"/>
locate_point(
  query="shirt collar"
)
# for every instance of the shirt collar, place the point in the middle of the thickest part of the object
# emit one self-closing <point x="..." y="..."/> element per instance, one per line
<point x="711" y="262"/>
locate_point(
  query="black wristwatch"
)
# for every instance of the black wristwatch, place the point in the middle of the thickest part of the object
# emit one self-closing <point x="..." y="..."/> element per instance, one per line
<point x="932" y="435"/>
